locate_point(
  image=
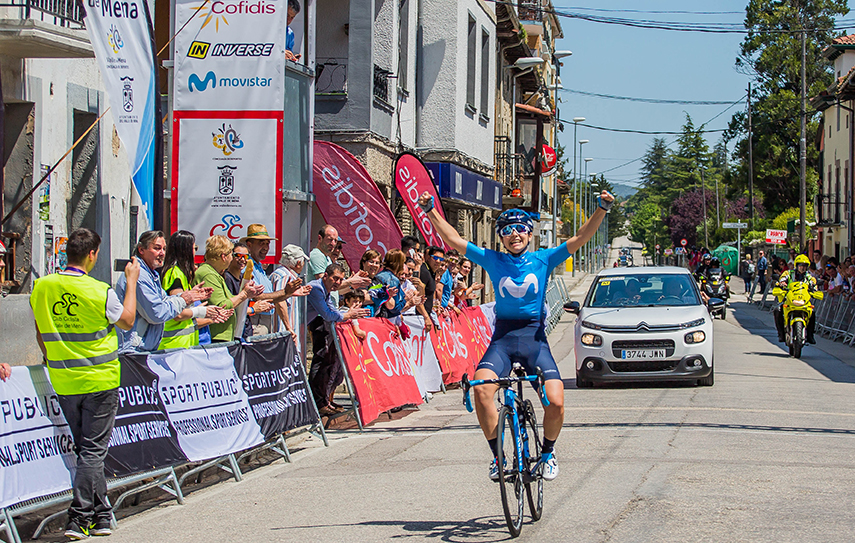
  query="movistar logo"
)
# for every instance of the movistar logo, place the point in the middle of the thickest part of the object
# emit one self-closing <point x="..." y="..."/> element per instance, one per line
<point x="508" y="286"/>
<point x="202" y="84"/>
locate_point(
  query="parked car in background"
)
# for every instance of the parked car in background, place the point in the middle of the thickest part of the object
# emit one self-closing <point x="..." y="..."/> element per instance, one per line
<point x="643" y="324"/>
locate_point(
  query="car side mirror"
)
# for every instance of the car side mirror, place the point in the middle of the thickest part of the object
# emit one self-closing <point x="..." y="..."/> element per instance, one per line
<point x="572" y="307"/>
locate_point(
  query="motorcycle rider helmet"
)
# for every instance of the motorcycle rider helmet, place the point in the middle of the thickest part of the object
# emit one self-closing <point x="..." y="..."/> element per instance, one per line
<point x="706" y="256"/>
<point x="801" y="262"/>
<point x="715" y="262"/>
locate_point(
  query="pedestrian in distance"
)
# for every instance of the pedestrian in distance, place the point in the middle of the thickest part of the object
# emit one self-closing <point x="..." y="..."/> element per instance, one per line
<point x="76" y="320"/>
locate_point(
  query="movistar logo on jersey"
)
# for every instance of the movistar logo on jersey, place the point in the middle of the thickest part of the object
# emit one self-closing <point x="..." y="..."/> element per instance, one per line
<point x="509" y="287"/>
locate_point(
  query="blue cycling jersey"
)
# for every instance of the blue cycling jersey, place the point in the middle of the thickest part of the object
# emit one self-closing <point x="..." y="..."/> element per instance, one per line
<point x="519" y="281"/>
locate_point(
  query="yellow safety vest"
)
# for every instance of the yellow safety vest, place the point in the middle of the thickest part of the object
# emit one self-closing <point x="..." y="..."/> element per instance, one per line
<point x="82" y="346"/>
<point x="178" y="334"/>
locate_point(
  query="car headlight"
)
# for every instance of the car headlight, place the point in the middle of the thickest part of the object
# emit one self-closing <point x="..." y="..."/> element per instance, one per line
<point x="695" y="337"/>
<point x="591" y="325"/>
<point x="696" y="322"/>
<point x="591" y="340"/>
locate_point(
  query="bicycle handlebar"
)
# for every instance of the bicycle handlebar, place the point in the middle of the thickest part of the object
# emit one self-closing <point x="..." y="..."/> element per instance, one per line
<point x="503" y="382"/>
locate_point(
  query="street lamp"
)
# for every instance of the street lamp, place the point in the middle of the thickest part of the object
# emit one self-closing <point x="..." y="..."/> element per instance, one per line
<point x="586" y="207"/>
<point x="556" y="87"/>
<point x="576" y="121"/>
<point x="581" y="179"/>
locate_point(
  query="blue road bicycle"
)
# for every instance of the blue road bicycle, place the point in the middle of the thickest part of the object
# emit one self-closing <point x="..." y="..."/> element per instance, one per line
<point x="519" y="446"/>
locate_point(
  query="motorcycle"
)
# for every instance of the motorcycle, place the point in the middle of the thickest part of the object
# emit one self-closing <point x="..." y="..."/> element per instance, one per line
<point x="797" y="312"/>
<point x="714" y="285"/>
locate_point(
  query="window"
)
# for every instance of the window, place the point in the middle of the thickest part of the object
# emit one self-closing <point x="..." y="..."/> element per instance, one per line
<point x="485" y="73"/>
<point x="404" y="42"/>
<point x="470" y="66"/>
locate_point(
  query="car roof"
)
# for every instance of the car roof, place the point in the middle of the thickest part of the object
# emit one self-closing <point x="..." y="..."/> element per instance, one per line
<point x="644" y="270"/>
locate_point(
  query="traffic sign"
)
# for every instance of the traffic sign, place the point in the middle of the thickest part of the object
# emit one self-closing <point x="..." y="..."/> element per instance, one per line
<point x="734" y="225"/>
<point x="683" y="242"/>
<point x="679" y="250"/>
<point x="657" y="245"/>
<point x="778" y="237"/>
<point x="668" y="252"/>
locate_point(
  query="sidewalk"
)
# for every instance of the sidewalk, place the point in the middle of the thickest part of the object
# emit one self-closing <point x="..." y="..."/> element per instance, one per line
<point x="764" y="319"/>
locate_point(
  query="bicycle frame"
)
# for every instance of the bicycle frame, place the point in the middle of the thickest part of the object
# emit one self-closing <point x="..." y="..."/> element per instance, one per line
<point x="513" y="400"/>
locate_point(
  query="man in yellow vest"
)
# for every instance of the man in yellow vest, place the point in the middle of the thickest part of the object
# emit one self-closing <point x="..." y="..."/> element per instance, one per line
<point x="76" y="317"/>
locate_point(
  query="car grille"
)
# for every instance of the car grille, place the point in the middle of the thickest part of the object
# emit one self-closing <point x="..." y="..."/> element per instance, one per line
<point x="620" y="367"/>
<point x="642" y="327"/>
<point x="667" y="344"/>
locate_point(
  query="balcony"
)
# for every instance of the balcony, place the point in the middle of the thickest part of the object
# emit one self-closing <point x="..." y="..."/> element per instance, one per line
<point x="43" y="29"/>
<point x="513" y="171"/>
<point x="831" y="209"/>
<point x="530" y="11"/>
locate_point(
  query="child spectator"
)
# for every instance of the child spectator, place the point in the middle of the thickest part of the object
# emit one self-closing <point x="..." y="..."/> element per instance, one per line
<point x="355" y="299"/>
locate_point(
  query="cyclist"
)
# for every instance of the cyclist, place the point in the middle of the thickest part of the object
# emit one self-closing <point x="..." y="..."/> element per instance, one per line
<point x="519" y="279"/>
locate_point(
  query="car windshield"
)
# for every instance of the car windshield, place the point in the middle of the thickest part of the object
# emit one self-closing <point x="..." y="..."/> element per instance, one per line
<point x="644" y="290"/>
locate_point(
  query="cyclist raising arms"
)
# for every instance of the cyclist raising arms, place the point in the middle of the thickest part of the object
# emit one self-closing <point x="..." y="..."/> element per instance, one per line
<point x="519" y="279"/>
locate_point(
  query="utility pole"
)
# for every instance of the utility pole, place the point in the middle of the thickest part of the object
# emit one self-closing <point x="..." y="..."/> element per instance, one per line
<point x="704" y="199"/>
<point x="750" y="163"/>
<point x="803" y="147"/>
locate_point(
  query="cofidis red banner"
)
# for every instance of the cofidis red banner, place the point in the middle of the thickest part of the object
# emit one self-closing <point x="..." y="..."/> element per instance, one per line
<point x="350" y="201"/>
<point x="452" y="343"/>
<point x="379" y="367"/>
<point x="411" y="180"/>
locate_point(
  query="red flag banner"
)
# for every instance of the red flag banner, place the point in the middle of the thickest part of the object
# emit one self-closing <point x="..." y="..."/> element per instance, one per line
<point x="379" y="367"/>
<point x="350" y="201"/>
<point x="453" y="347"/>
<point x="478" y="328"/>
<point x="411" y="180"/>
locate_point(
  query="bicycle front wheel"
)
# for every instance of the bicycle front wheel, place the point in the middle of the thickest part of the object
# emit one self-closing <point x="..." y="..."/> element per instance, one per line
<point x="510" y="483"/>
<point x="534" y="481"/>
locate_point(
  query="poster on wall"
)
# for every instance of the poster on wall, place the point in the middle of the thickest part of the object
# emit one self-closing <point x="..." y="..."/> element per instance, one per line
<point x="228" y="175"/>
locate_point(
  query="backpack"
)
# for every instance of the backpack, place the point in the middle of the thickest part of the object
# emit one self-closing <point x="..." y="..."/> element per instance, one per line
<point x="751" y="269"/>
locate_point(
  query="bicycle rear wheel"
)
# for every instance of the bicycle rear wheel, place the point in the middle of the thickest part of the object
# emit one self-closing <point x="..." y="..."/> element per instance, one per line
<point x="533" y="488"/>
<point x="510" y="483"/>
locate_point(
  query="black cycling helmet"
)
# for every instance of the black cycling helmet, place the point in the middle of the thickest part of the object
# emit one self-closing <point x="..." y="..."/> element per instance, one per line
<point x="513" y="216"/>
<point x="715" y="262"/>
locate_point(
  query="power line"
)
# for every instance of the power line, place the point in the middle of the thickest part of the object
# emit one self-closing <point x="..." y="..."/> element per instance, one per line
<point x="650" y="100"/>
<point x="657" y="12"/>
<point x="646" y="132"/>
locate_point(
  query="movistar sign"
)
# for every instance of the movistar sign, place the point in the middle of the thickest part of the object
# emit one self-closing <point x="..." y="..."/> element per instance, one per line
<point x="196" y="83"/>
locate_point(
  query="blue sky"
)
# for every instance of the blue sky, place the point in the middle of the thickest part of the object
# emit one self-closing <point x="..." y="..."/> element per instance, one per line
<point x="645" y="63"/>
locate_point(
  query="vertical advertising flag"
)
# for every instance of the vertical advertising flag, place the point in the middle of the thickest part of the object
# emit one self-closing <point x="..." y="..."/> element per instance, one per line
<point x="121" y="36"/>
<point x="411" y="180"/>
<point x="350" y="201"/>
<point x="227" y="131"/>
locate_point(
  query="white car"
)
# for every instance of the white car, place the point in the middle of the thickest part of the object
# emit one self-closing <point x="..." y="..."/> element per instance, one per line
<point x="643" y="324"/>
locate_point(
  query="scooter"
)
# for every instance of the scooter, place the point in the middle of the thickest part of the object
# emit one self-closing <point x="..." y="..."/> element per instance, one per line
<point x="797" y="312"/>
<point x="714" y="285"/>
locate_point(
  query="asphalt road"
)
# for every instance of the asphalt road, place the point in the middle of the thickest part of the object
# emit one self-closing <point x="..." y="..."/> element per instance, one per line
<point x="767" y="454"/>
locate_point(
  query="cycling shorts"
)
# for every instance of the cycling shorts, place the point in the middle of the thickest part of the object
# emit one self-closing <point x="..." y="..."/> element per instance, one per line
<point x="522" y="341"/>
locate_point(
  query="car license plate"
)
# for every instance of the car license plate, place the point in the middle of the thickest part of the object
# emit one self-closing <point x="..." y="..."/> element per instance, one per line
<point x="642" y="354"/>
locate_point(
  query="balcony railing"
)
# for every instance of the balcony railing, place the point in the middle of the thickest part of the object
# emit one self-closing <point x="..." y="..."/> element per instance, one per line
<point x="831" y="210"/>
<point x="331" y="77"/>
<point x="381" y="84"/>
<point x="530" y="10"/>
<point x="68" y="13"/>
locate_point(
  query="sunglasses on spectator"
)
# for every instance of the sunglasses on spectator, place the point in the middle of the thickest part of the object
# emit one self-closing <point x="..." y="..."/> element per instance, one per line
<point x="511" y="228"/>
<point x="239" y="255"/>
<point x="437" y="258"/>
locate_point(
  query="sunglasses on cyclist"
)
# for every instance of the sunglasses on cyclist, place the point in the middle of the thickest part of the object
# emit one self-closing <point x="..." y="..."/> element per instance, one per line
<point x="511" y="228"/>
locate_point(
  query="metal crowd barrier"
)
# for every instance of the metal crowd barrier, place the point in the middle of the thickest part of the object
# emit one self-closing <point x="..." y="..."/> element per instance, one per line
<point x="835" y="319"/>
<point x="556" y="297"/>
<point x="164" y="478"/>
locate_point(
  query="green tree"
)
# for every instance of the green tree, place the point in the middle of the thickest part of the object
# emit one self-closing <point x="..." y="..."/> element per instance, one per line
<point x="771" y="54"/>
<point x="646" y="226"/>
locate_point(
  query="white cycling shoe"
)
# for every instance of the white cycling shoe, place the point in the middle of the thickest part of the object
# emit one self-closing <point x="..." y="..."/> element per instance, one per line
<point x="494" y="470"/>
<point x="550" y="466"/>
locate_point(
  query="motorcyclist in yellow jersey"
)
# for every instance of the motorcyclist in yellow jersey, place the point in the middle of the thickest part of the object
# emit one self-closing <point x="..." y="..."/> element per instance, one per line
<point x="798" y="275"/>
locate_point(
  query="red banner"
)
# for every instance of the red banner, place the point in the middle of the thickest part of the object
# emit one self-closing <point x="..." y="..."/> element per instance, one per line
<point x="480" y="330"/>
<point x="411" y="180"/>
<point x="455" y="347"/>
<point x="379" y="367"/>
<point x="350" y="201"/>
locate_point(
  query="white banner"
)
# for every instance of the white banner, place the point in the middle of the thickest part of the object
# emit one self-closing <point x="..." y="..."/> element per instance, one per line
<point x="228" y="173"/>
<point x="120" y="33"/>
<point x="36" y="449"/>
<point x="422" y="357"/>
<point x="231" y="55"/>
<point x="206" y="402"/>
